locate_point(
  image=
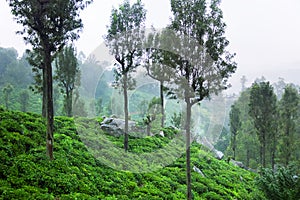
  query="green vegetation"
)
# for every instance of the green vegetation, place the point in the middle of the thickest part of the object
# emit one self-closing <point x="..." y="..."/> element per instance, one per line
<point x="26" y="173"/>
<point x="48" y="30"/>
<point x="267" y="126"/>
<point x="280" y="184"/>
<point x="189" y="62"/>
<point x="124" y="37"/>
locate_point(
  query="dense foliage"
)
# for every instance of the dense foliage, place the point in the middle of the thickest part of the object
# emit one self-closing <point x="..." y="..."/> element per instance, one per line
<point x="279" y="122"/>
<point x="48" y="26"/>
<point x="283" y="183"/>
<point x="26" y="173"/>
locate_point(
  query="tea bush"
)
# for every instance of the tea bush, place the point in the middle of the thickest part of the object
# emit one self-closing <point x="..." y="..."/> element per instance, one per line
<point x="76" y="173"/>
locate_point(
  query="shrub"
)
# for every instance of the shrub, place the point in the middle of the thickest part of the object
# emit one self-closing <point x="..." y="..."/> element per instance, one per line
<point x="280" y="184"/>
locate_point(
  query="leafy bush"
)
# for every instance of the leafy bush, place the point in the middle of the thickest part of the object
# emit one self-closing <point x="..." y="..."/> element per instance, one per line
<point x="284" y="183"/>
<point x="75" y="173"/>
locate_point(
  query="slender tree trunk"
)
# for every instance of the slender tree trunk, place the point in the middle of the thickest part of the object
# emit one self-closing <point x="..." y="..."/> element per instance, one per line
<point x="273" y="153"/>
<point x="188" y="150"/>
<point x="261" y="154"/>
<point x="264" y="151"/>
<point x="6" y="101"/>
<point x="68" y="103"/>
<point x="49" y="105"/>
<point x="247" y="157"/>
<point x="287" y="145"/>
<point x="44" y="91"/>
<point x="273" y="158"/>
<point x="71" y="104"/>
<point x="162" y="103"/>
<point x="125" y="112"/>
<point x="234" y="146"/>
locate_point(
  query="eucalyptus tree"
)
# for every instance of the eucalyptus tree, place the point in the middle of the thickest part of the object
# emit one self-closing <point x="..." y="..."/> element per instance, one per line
<point x="8" y="58"/>
<point x="246" y="140"/>
<point x="124" y="39"/>
<point x="24" y="100"/>
<point x="157" y="64"/>
<point x="7" y="90"/>
<point x="243" y="82"/>
<point x="235" y="124"/>
<point x="48" y="25"/>
<point x="203" y="66"/>
<point x="289" y="105"/>
<point x="263" y="110"/>
<point x="68" y="75"/>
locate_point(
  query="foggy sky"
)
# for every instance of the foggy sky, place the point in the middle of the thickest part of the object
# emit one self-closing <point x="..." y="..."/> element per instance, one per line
<point x="265" y="34"/>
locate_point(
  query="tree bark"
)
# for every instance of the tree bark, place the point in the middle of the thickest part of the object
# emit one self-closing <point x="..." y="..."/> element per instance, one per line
<point x="44" y="92"/>
<point x="49" y="103"/>
<point x="273" y="151"/>
<point x="188" y="151"/>
<point x="264" y="151"/>
<point x="125" y="111"/>
<point x="287" y="145"/>
<point x="247" y="157"/>
<point x="68" y="103"/>
<point x="261" y="154"/>
<point x="162" y="104"/>
<point x="234" y="146"/>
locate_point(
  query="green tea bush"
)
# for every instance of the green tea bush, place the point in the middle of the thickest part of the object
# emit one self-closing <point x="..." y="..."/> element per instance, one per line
<point x="76" y="173"/>
<point x="284" y="183"/>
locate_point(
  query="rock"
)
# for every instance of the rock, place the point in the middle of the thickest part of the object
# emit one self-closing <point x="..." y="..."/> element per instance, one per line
<point x="238" y="164"/>
<point x="106" y="121"/>
<point x="161" y="133"/>
<point x="112" y="130"/>
<point x="196" y="169"/>
<point x="217" y="154"/>
<point x="115" y="126"/>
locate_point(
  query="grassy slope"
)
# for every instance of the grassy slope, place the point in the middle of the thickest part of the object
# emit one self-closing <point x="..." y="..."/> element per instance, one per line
<point x="25" y="172"/>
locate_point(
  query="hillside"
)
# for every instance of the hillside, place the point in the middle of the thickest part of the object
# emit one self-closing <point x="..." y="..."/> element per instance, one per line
<point x="26" y="173"/>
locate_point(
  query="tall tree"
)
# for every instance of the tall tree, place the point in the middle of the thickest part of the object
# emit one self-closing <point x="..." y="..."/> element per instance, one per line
<point x="24" y="100"/>
<point x="35" y="59"/>
<point x="124" y="39"/>
<point x="8" y="58"/>
<point x="279" y="87"/>
<point x="68" y="76"/>
<point x="246" y="139"/>
<point x="156" y="64"/>
<point x="7" y="90"/>
<point x="288" y="117"/>
<point x="48" y="26"/>
<point x="235" y="124"/>
<point x="204" y="65"/>
<point x="263" y="110"/>
<point x="243" y="82"/>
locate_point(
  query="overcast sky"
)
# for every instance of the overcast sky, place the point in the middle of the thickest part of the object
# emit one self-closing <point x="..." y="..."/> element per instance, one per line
<point x="265" y="34"/>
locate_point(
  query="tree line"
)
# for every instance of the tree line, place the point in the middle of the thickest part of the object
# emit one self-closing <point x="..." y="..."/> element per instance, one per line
<point x="264" y="125"/>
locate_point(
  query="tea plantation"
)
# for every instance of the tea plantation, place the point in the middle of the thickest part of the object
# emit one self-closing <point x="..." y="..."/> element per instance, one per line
<point x="78" y="173"/>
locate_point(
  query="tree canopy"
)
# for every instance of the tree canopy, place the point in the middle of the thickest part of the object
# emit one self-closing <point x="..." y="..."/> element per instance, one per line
<point x="124" y="38"/>
<point x="48" y="26"/>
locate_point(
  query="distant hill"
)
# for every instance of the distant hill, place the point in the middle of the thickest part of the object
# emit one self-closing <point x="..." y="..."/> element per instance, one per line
<point x="26" y="173"/>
